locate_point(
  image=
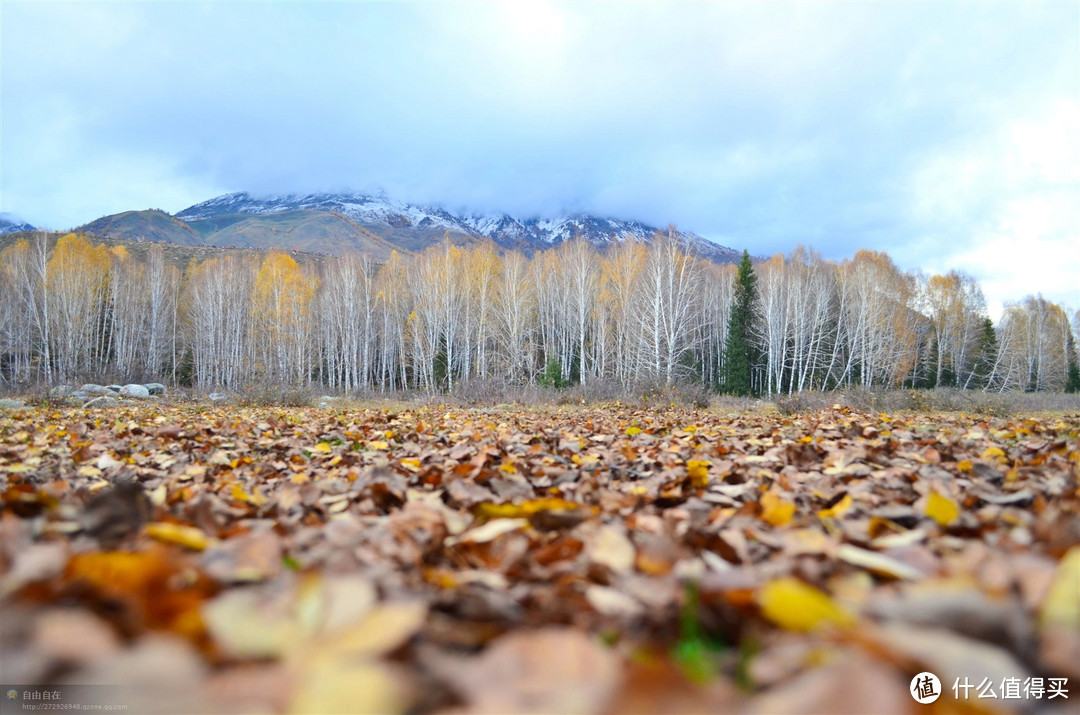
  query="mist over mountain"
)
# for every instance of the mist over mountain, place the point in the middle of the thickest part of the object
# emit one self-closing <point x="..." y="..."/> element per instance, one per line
<point x="10" y="223"/>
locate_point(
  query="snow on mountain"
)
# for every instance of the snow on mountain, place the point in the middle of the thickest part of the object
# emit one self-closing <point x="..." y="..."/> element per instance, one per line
<point x="382" y="211"/>
<point x="9" y="223"/>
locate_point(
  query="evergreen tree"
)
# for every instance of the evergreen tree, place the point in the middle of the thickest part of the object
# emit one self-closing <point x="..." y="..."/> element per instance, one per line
<point x="988" y="349"/>
<point x="1072" y="380"/>
<point x="738" y="353"/>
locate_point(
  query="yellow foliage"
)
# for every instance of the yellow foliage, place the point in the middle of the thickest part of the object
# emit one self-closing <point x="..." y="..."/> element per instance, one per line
<point x="488" y="510"/>
<point x="775" y="510"/>
<point x="795" y="606"/>
<point x="1061" y="608"/>
<point x="187" y="536"/>
<point x="941" y="509"/>
<point x="699" y="472"/>
<point x="255" y="498"/>
<point x="282" y="292"/>
<point x="837" y="509"/>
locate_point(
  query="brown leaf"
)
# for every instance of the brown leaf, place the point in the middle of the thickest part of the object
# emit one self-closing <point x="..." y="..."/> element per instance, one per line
<point x="546" y="670"/>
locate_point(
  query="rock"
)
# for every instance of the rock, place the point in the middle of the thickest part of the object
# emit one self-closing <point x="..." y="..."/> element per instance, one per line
<point x="218" y="396"/>
<point x="9" y="404"/>
<point x="325" y="401"/>
<point x="77" y="397"/>
<point x="137" y="392"/>
<point x="92" y="389"/>
<point x="155" y="388"/>
<point x="114" y="388"/>
<point x="103" y="401"/>
<point x="60" y="391"/>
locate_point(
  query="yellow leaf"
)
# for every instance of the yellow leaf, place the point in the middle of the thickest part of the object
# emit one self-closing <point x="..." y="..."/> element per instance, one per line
<point x="255" y="498"/>
<point x="795" y="606"/>
<point x="805" y="440"/>
<point x="187" y="536"/>
<point x="837" y="509"/>
<point x="323" y="447"/>
<point x="508" y="468"/>
<point x="411" y="464"/>
<point x="1061" y="609"/>
<point x="328" y="683"/>
<point x="89" y="471"/>
<point x="775" y="510"/>
<point x="964" y="465"/>
<point x="378" y="445"/>
<point x="698" y="470"/>
<point x="524" y="510"/>
<point x="941" y="509"/>
<point x="633" y="431"/>
<point x="384" y="629"/>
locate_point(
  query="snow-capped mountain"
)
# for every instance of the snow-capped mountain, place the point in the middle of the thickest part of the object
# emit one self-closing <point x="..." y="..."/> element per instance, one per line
<point x="9" y="223"/>
<point x="415" y="225"/>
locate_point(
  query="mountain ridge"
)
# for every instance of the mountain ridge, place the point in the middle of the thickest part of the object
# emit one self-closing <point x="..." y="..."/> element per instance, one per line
<point x="335" y="223"/>
<point x="10" y="223"/>
<point x="414" y="226"/>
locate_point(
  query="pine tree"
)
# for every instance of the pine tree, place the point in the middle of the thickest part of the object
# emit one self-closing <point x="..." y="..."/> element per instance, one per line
<point x="738" y="356"/>
<point x="988" y="350"/>
<point x="1072" y="379"/>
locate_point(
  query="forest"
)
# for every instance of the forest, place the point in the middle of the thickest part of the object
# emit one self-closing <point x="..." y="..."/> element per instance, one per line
<point x="638" y="313"/>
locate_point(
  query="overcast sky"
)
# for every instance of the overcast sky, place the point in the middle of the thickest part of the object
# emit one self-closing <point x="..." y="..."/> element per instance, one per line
<point x="947" y="134"/>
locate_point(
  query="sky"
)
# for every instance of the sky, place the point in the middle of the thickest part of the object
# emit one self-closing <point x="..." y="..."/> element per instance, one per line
<point x="947" y="134"/>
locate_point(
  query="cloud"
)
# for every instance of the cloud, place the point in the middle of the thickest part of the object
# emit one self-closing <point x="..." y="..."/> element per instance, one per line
<point x="761" y="125"/>
<point x="1004" y="207"/>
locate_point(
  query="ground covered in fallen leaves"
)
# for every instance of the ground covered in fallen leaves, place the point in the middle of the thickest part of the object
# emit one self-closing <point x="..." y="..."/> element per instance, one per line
<point x="602" y="560"/>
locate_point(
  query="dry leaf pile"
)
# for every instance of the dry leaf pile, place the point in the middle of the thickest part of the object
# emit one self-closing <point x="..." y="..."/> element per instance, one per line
<point x="588" y="560"/>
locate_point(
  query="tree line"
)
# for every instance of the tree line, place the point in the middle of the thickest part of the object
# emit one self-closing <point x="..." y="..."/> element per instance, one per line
<point x="638" y="313"/>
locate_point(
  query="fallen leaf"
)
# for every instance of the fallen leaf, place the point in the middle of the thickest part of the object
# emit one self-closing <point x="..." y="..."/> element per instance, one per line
<point x="795" y="606"/>
<point x="698" y="471"/>
<point x="187" y="536"/>
<point x="552" y="670"/>
<point x="775" y="510"/>
<point x="836" y="510"/>
<point x="941" y="509"/>
<point x="610" y="547"/>
<point x="1061" y="609"/>
<point x="876" y="563"/>
<point x="384" y="629"/>
<point x="487" y="532"/>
